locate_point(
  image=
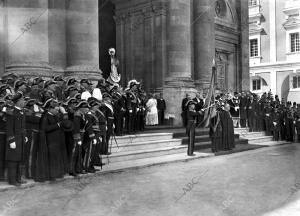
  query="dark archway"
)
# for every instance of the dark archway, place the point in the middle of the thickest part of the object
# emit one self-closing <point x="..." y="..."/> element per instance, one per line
<point x="107" y="34"/>
<point x="285" y="88"/>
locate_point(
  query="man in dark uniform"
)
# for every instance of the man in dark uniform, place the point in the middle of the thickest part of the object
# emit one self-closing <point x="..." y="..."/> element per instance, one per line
<point x="297" y="118"/>
<point x="131" y="105"/>
<point x="184" y="108"/>
<point x="243" y="110"/>
<point x="3" y="109"/>
<point x="252" y="115"/>
<point x="16" y="139"/>
<point x="192" y="116"/>
<point x="289" y="123"/>
<point x="161" y="107"/>
<point x="33" y="118"/>
<point x="78" y="134"/>
<point x="267" y="117"/>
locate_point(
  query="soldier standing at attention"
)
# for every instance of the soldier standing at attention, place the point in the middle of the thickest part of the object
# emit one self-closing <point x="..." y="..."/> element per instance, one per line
<point x="16" y="139"/>
<point x="191" y="116"/>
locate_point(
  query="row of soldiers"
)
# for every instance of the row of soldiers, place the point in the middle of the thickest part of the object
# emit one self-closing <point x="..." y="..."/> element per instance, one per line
<point x="267" y="113"/>
<point x="49" y="128"/>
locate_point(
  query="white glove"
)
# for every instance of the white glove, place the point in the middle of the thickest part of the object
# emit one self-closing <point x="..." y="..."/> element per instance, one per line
<point x="94" y="141"/>
<point x="274" y="123"/>
<point x="13" y="145"/>
<point x="137" y="109"/>
<point x="79" y="143"/>
<point x="100" y="139"/>
<point x="236" y="108"/>
<point x="114" y="126"/>
<point x="130" y="111"/>
<point x="26" y="139"/>
<point x="4" y="109"/>
<point x="35" y="108"/>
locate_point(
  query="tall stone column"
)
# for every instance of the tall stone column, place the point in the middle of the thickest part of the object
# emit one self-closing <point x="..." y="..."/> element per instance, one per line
<point x="204" y="41"/>
<point x="178" y="81"/>
<point x="244" y="78"/>
<point x="3" y="33"/>
<point x="27" y="38"/>
<point x="83" y="39"/>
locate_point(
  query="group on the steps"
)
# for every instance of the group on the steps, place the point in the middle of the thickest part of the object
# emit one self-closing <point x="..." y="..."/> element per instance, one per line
<point x="280" y="119"/>
<point x="52" y="127"/>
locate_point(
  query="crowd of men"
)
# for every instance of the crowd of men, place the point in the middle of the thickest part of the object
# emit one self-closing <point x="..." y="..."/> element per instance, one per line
<point x="279" y="119"/>
<point x="49" y="128"/>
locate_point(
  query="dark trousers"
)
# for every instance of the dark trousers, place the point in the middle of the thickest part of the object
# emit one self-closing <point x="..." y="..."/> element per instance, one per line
<point x="161" y="117"/>
<point x="119" y="124"/>
<point x="13" y="172"/>
<point x="268" y="125"/>
<point x="191" y="140"/>
<point x="243" y="122"/>
<point x="89" y="152"/>
<point x="2" y="156"/>
<point x="252" y="123"/>
<point x="76" y="159"/>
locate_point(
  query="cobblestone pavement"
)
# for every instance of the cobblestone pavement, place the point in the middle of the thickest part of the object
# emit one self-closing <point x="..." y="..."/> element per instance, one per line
<point x="258" y="182"/>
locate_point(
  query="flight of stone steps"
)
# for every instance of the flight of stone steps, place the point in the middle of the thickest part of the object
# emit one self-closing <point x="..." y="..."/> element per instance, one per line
<point x="257" y="138"/>
<point x="152" y="146"/>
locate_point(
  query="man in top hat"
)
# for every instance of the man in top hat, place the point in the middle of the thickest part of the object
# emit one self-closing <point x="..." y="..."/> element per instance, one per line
<point x="16" y="140"/>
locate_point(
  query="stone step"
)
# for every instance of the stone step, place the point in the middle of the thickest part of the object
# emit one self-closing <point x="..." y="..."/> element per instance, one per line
<point x="258" y="140"/>
<point x="129" y="139"/>
<point x="135" y="146"/>
<point x="241" y="130"/>
<point x="198" y="132"/>
<point x="134" y="155"/>
<point x="206" y="145"/>
<point x="247" y="135"/>
<point x="272" y="143"/>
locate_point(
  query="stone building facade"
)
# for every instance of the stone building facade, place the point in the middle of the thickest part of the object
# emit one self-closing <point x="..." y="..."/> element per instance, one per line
<point x="169" y="45"/>
<point x="275" y="47"/>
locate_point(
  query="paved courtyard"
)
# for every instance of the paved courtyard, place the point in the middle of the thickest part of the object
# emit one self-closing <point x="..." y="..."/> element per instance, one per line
<point x="257" y="182"/>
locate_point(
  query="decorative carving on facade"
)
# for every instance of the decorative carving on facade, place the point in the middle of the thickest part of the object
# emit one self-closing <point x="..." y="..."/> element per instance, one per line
<point x="145" y="12"/>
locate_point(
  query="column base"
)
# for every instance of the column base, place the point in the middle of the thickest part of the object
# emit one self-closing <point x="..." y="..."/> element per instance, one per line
<point x="174" y="91"/>
<point x="84" y="71"/>
<point x="30" y="69"/>
<point x="202" y="84"/>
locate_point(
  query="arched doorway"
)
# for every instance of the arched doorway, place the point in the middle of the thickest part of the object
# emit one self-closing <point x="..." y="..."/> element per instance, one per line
<point x="285" y="88"/>
<point x="107" y="34"/>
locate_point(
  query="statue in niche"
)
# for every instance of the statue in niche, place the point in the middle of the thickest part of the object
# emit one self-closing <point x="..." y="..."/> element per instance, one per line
<point x="114" y="77"/>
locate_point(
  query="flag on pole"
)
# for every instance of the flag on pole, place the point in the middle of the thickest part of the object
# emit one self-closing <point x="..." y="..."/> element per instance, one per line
<point x="210" y="110"/>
